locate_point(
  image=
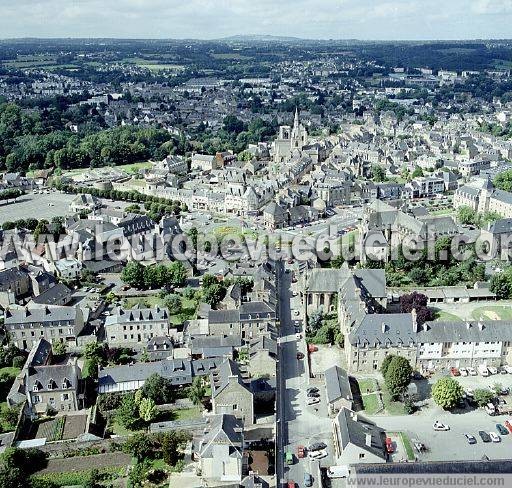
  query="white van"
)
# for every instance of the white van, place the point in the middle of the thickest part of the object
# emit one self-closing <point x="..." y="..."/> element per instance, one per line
<point x="482" y="369"/>
<point x="338" y="471"/>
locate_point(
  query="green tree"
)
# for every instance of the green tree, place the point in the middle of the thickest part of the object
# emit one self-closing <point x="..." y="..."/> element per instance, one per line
<point x="173" y="303"/>
<point x="483" y="396"/>
<point x="140" y="446"/>
<point x="159" y="389"/>
<point x="398" y="376"/>
<point x="385" y="364"/>
<point x="133" y="274"/>
<point x="447" y="392"/>
<point x="147" y="409"/>
<point x="128" y="414"/>
<point x="59" y="348"/>
<point x="176" y="273"/>
<point x="378" y="173"/>
<point x="466" y="215"/>
<point x="417" y="172"/>
<point x="196" y="392"/>
<point x="501" y="284"/>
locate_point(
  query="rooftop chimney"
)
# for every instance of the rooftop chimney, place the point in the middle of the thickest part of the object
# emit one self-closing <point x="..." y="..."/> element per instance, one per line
<point x="384" y="327"/>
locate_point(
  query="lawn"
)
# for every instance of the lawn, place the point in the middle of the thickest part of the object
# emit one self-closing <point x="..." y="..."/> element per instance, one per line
<point x="79" y="478"/>
<point x="371" y="403"/>
<point x="118" y="429"/>
<point x="367" y="385"/>
<point x="442" y="316"/>
<point x="492" y="313"/>
<point x="443" y="211"/>
<point x="392" y="408"/>
<point x="188" y="312"/>
<point x="407" y="446"/>
<point x="186" y="413"/>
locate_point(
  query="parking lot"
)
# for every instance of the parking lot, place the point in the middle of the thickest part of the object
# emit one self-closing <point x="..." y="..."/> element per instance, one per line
<point x="451" y="444"/>
<point x="37" y="206"/>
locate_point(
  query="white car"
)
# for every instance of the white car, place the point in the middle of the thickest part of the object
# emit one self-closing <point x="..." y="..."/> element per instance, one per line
<point x="463" y="371"/>
<point x="440" y="426"/>
<point x="313" y="401"/>
<point x="508" y="369"/>
<point x="494" y="437"/>
<point x="492" y="370"/>
<point x="298" y="337"/>
<point x="296" y="313"/>
<point x="318" y="454"/>
<point x="472" y="371"/>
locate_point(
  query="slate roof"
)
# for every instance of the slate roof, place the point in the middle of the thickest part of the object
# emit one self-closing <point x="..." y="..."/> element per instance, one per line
<point x="40" y="315"/>
<point x="459" y="331"/>
<point x="337" y="384"/>
<point x="9" y="276"/>
<point x="264" y="343"/>
<point x="57" y="375"/>
<point x="501" y="226"/>
<point x="228" y="370"/>
<point x="124" y="315"/>
<point x="178" y="371"/>
<point x="355" y="430"/>
<point x="384" y="329"/>
<point x="225" y="430"/>
<point x="53" y="295"/>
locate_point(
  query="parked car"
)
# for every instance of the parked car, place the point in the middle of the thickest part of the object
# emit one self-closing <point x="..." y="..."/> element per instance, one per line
<point x="472" y="372"/>
<point x="288" y="457"/>
<point x="440" y="426"/>
<point x="291" y="484"/>
<point x="504" y="391"/>
<point x="313" y="400"/>
<point x="494" y="437"/>
<point x="298" y="337"/>
<point x="389" y="445"/>
<point x="470" y="438"/>
<point x="501" y="430"/>
<point x="318" y="454"/>
<point x="296" y="312"/>
<point x="308" y="479"/>
<point x="454" y="372"/>
<point x="508" y="369"/>
<point x="317" y="446"/>
<point x="492" y="370"/>
<point x="484" y="436"/>
<point x="463" y="371"/>
<point x="300" y="355"/>
<point x="502" y="370"/>
<point x="312" y="389"/>
<point x="508" y="425"/>
<point x="313" y="394"/>
<point x="301" y="453"/>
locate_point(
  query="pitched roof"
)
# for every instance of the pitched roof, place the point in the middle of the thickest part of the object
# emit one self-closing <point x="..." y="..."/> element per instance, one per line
<point x="337" y="384"/>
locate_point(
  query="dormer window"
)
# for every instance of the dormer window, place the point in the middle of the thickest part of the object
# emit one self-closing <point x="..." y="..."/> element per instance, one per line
<point x="37" y="386"/>
<point x="66" y="384"/>
<point x="51" y="385"/>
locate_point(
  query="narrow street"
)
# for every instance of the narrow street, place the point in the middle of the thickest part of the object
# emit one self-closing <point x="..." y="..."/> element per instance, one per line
<point x="298" y="424"/>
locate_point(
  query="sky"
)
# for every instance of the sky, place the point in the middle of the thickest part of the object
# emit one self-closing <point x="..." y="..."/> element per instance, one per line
<point x="210" y="19"/>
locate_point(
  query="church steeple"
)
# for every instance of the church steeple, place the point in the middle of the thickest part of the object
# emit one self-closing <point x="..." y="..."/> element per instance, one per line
<point x="296" y="122"/>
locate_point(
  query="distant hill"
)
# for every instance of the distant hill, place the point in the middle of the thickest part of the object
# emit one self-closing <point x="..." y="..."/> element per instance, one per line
<point x="264" y="38"/>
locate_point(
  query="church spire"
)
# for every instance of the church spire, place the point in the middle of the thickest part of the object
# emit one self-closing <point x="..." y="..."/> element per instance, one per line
<point x="296" y="121"/>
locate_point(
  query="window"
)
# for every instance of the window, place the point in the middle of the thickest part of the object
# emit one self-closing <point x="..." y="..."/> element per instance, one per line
<point x="36" y="399"/>
<point x="65" y="397"/>
<point x="235" y="407"/>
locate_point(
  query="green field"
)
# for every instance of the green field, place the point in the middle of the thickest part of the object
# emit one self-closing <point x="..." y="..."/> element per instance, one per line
<point x="442" y="316"/>
<point x="371" y="403"/>
<point x="153" y="65"/>
<point x="493" y="312"/>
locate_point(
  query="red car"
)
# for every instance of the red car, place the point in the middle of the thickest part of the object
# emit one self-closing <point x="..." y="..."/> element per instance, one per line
<point x="300" y="452"/>
<point x="508" y="425"/>
<point x="389" y="445"/>
<point x="291" y="484"/>
<point x="454" y="372"/>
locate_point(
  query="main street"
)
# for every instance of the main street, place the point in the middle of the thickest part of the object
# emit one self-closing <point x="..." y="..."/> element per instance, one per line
<point x="298" y="424"/>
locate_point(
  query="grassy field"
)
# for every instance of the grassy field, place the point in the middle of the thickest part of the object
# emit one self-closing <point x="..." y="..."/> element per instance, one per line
<point x="186" y="413"/>
<point x="392" y="408"/>
<point x="366" y="385"/>
<point x="492" y="313"/>
<point x="188" y="312"/>
<point x="442" y="316"/>
<point x="127" y="168"/>
<point x="153" y="65"/>
<point x="371" y="403"/>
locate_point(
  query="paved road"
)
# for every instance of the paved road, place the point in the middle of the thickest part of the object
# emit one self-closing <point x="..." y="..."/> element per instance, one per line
<point x="298" y="424"/>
